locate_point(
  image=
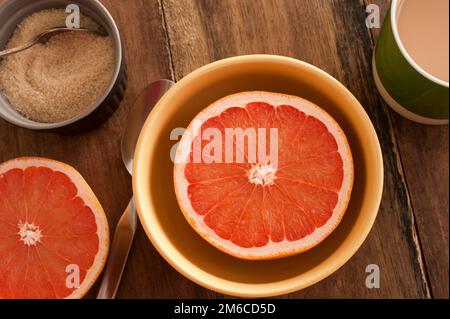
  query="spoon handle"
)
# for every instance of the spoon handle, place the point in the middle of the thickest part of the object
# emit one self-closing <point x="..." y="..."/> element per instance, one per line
<point x="120" y="248"/>
<point x="43" y="37"/>
<point x="17" y="49"/>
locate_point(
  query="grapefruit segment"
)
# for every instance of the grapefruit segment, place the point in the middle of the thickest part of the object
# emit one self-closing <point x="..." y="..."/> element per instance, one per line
<point x="51" y="227"/>
<point x="264" y="207"/>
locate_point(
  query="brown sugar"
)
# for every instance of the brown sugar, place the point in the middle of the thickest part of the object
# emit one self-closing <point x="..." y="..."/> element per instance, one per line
<point x="61" y="78"/>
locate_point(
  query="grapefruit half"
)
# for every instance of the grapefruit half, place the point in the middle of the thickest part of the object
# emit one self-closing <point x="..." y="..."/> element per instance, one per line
<point x="263" y="207"/>
<point x="54" y="236"/>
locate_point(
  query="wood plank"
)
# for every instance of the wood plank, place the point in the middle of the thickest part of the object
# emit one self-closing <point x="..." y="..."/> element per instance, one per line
<point x="331" y="35"/>
<point x="425" y="156"/>
<point x="147" y="274"/>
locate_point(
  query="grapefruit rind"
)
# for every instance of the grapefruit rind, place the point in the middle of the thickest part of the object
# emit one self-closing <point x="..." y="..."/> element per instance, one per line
<point x="90" y="200"/>
<point x="273" y="250"/>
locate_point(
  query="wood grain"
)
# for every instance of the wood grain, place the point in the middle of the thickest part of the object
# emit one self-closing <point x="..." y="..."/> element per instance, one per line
<point x="425" y="157"/>
<point x="331" y="35"/>
<point x="170" y="38"/>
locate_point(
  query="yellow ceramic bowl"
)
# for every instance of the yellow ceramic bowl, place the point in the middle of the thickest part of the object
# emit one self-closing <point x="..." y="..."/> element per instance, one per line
<point x="164" y="222"/>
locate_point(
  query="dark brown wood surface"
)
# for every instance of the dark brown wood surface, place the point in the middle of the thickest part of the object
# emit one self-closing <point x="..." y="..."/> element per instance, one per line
<point x="425" y="159"/>
<point x="170" y="38"/>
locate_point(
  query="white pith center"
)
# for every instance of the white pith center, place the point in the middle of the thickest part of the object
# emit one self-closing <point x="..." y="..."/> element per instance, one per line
<point x="29" y="234"/>
<point x="262" y="174"/>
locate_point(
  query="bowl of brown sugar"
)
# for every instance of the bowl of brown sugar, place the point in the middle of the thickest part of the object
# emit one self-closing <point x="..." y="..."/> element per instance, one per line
<point x="74" y="81"/>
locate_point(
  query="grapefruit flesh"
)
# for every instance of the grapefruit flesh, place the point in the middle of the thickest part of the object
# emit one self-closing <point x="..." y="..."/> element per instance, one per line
<point x="259" y="208"/>
<point x="54" y="236"/>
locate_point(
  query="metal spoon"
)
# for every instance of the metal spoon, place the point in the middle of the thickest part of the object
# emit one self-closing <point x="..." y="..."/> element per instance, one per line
<point x="125" y="229"/>
<point x="44" y="37"/>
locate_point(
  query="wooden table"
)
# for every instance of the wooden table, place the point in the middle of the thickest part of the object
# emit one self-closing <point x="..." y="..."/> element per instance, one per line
<point x="170" y="38"/>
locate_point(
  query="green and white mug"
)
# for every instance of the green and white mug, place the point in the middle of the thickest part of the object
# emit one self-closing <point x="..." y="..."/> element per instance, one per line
<point x="405" y="86"/>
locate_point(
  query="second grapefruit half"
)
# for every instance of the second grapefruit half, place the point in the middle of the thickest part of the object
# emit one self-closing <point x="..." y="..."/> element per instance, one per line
<point x="54" y="236"/>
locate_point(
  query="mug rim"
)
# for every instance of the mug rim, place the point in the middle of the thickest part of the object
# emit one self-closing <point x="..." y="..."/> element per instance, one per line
<point x="394" y="9"/>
